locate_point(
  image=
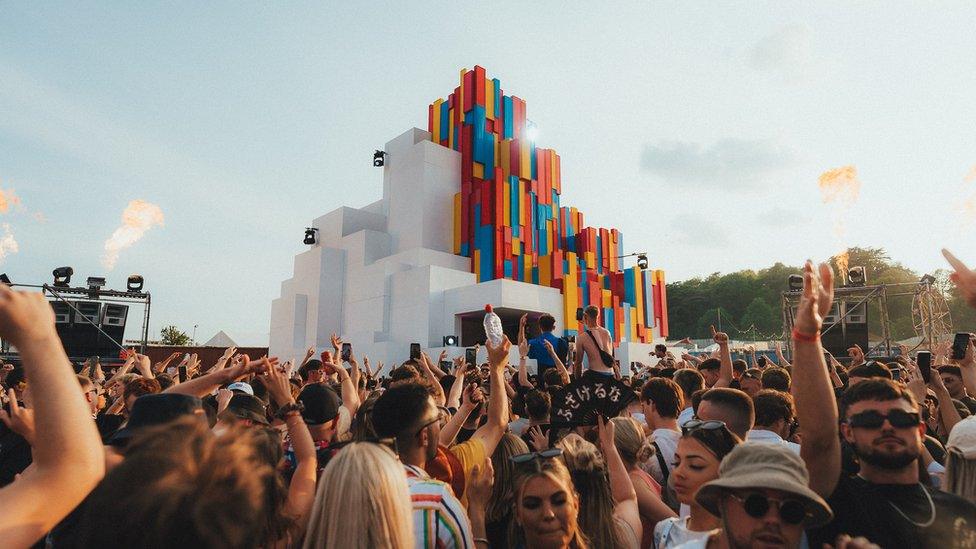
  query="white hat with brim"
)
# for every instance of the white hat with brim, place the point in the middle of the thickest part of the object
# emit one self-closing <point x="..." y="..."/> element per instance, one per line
<point x="962" y="439"/>
<point x="757" y="466"/>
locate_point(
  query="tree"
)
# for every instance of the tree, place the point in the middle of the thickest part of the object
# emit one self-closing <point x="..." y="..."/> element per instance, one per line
<point x="761" y="317"/>
<point x="171" y="335"/>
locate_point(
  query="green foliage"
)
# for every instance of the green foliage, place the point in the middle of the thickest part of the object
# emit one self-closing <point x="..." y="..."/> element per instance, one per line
<point x="750" y="302"/>
<point x="171" y="335"/>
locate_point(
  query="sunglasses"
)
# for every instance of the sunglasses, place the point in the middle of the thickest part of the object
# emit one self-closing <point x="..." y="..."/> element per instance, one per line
<point x="792" y="511"/>
<point x="871" y="419"/>
<point x="536" y="456"/>
<point x="696" y="424"/>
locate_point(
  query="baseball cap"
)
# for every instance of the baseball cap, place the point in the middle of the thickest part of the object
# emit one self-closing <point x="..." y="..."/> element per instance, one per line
<point x="156" y="409"/>
<point x="241" y="386"/>
<point x="246" y="406"/>
<point x="321" y="403"/>
<point x="963" y="438"/>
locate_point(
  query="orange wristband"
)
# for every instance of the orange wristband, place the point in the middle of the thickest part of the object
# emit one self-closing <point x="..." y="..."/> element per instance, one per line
<point x="806" y="338"/>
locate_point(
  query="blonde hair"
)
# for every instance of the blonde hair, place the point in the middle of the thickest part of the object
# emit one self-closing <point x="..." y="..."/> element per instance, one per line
<point x="630" y="441"/>
<point x="589" y="473"/>
<point x="362" y="501"/>
<point x="960" y="477"/>
<point x="555" y="471"/>
<point x="502" y="499"/>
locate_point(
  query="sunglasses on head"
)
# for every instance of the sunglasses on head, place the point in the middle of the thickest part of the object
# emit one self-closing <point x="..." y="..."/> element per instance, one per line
<point x="696" y="424"/>
<point x="872" y="419"/>
<point x="536" y="456"/>
<point x="791" y="510"/>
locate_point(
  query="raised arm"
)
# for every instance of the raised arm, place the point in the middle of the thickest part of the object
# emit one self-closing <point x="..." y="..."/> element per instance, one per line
<point x="523" y="373"/>
<point x="472" y="396"/>
<point x="725" y="359"/>
<point x="301" y="491"/>
<point x="491" y="432"/>
<point x="780" y="358"/>
<point x="350" y="393"/>
<point x="204" y="385"/>
<point x="454" y="394"/>
<point x="435" y="385"/>
<point x="621" y="488"/>
<point x="816" y="407"/>
<point x="68" y="459"/>
<point x="560" y="367"/>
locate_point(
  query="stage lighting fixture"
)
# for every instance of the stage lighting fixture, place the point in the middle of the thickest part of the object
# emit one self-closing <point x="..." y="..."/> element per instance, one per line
<point x="927" y="279"/>
<point x="134" y="283"/>
<point x="450" y="341"/>
<point x="310" y="235"/>
<point x="96" y="282"/>
<point x="5" y="279"/>
<point x="62" y="276"/>
<point x="856" y="276"/>
<point x="642" y="261"/>
<point x="379" y="158"/>
<point x="795" y="283"/>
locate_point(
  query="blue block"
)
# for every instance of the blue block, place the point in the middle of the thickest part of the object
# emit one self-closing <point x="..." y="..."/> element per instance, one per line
<point x="627" y="311"/>
<point x="465" y="249"/>
<point x="609" y="323"/>
<point x="445" y="119"/>
<point x="497" y="95"/>
<point x="630" y="288"/>
<point x="535" y="275"/>
<point x="599" y="253"/>
<point x="508" y="268"/>
<point x="509" y="115"/>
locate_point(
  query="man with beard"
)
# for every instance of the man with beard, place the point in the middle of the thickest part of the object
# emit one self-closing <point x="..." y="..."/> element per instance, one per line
<point x="886" y="502"/>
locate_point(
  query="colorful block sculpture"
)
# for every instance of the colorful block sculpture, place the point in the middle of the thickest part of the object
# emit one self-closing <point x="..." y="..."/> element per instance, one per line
<point x="508" y="220"/>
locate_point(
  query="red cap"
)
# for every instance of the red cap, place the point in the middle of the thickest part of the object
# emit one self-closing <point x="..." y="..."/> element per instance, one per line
<point x="488" y="308"/>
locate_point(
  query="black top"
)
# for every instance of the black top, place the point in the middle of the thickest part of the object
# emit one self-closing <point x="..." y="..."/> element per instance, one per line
<point x="865" y="509"/>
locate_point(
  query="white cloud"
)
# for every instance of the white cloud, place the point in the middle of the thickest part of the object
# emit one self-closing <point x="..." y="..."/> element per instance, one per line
<point x="698" y="231"/>
<point x="727" y="163"/>
<point x="779" y="216"/>
<point x="7" y="243"/>
<point x="787" y="52"/>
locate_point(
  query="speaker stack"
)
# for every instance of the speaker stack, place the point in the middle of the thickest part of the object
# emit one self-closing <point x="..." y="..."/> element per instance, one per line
<point x="80" y="338"/>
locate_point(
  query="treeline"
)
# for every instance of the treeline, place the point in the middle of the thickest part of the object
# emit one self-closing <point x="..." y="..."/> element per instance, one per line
<point x="748" y="304"/>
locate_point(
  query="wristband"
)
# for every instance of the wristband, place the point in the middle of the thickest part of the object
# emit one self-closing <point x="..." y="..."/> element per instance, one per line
<point x="806" y="338"/>
<point x="289" y="408"/>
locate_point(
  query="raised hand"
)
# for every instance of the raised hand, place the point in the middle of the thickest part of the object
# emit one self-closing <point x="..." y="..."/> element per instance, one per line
<point x="964" y="278"/>
<point x="336" y="342"/>
<point x="478" y="489"/>
<point x="523" y="347"/>
<point x="223" y="399"/>
<point x="20" y="420"/>
<point x="24" y="317"/>
<point x="498" y="356"/>
<point x="721" y="338"/>
<point x="605" y="430"/>
<point x="278" y="386"/>
<point x="818" y="297"/>
<point x="537" y="440"/>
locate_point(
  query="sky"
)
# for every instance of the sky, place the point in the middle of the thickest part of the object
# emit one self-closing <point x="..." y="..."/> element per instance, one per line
<point x="698" y="129"/>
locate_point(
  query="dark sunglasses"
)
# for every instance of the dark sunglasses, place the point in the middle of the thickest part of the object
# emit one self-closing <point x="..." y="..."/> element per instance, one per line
<point x="871" y="419"/>
<point x="792" y="511"/>
<point x="696" y="424"/>
<point x="536" y="456"/>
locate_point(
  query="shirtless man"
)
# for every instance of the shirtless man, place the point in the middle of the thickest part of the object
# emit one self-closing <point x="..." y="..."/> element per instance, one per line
<point x="592" y="346"/>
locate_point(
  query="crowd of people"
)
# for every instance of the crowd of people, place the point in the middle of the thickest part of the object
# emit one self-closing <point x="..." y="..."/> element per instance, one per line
<point x="328" y="452"/>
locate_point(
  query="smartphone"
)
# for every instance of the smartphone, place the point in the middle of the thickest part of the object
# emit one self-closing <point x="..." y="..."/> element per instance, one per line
<point x="346" y="351"/>
<point x="924" y="361"/>
<point x="446" y="365"/>
<point x="896" y="374"/>
<point x="414" y="351"/>
<point x="183" y="373"/>
<point x="959" y="345"/>
<point x="761" y="361"/>
<point x="579" y="314"/>
<point x="471" y="357"/>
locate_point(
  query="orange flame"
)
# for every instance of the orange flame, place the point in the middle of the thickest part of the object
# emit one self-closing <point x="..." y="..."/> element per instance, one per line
<point x="840" y="185"/>
<point x="139" y="216"/>
<point x="8" y="199"/>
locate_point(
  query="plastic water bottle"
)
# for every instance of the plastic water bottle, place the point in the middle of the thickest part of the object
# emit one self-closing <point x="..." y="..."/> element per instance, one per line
<point x="493" y="327"/>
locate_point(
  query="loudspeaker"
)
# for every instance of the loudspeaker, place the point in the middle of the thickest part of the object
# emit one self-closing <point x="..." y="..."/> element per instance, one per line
<point x="62" y="313"/>
<point x="113" y="324"/>
<point x="852" y="330"/>
<point x="79" y="337"/>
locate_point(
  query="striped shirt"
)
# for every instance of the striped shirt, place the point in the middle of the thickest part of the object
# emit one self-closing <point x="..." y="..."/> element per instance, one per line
<point x="439" y="520"/>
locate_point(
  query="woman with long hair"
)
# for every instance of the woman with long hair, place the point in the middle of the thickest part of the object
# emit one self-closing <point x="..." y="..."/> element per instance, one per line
<point x="362" y="502"/>
<point x="609" y="514"/>
<point x="547" y="506"/>
<point x="635" y="449"/>
<point x="499" y="511"/>
<point x="701" y="448"/>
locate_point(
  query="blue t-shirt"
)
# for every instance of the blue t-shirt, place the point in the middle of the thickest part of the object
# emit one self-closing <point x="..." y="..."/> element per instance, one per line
<point x="538" y="351"/>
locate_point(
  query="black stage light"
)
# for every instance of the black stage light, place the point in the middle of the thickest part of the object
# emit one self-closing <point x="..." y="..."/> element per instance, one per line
<point x="856" y="276"/>
<point x="5" y="279"/>
<point x="379" y="158"/>
<point x="310" y="235"/>
<point x="62" y="276"/>
<point x="134" y="283"/>
<point x="795" y="283"/>
<point x="450" y="341"/>
<point x="642" y="261"/>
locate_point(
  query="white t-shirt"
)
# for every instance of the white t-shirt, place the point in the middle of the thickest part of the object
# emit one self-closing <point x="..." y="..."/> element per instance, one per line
<point x="667" y="442"/>
<point x="686" y="415"/>
<point x="673" y="532"/>
<point x="519" y="426"/>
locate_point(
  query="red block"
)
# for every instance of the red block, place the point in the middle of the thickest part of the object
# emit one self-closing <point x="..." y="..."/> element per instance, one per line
<point x="430" y="118"/>
<point x="479" y="85"/>
<point x="468" y="91"/>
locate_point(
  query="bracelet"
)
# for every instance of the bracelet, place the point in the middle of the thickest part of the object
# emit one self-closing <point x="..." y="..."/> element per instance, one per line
<point x="290" y="408"/>
<point x="806" y="338"/>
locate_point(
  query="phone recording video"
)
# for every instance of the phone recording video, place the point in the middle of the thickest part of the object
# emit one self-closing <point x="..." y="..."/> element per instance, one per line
<point x="471" y="357"/>
<point x="924" y="361"/>
<point x="346" y="351"/>
<point x="414" y="351"/>
<point x="959" y="344"/>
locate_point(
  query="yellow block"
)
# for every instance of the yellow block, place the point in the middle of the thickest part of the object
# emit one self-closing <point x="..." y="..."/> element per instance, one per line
<point x="436" y="130"/>
<point x="460" y="98"/>
<point x="489" y="98"/>
<point x="590" y="259"/>
<point x="450" y="128"/>
<point x="477" y="264"/>
<point x="516" y="245"/>
<point x="607" y="297"/>
<point x="504" y="154"/>
<point x="633" y="325"/>
<point x="478" y="170"/>
<point x="523" y="211"/>
<point x="639" y="294"/>
<point x="545" y="271"/>
<point x="525" y="165"/>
